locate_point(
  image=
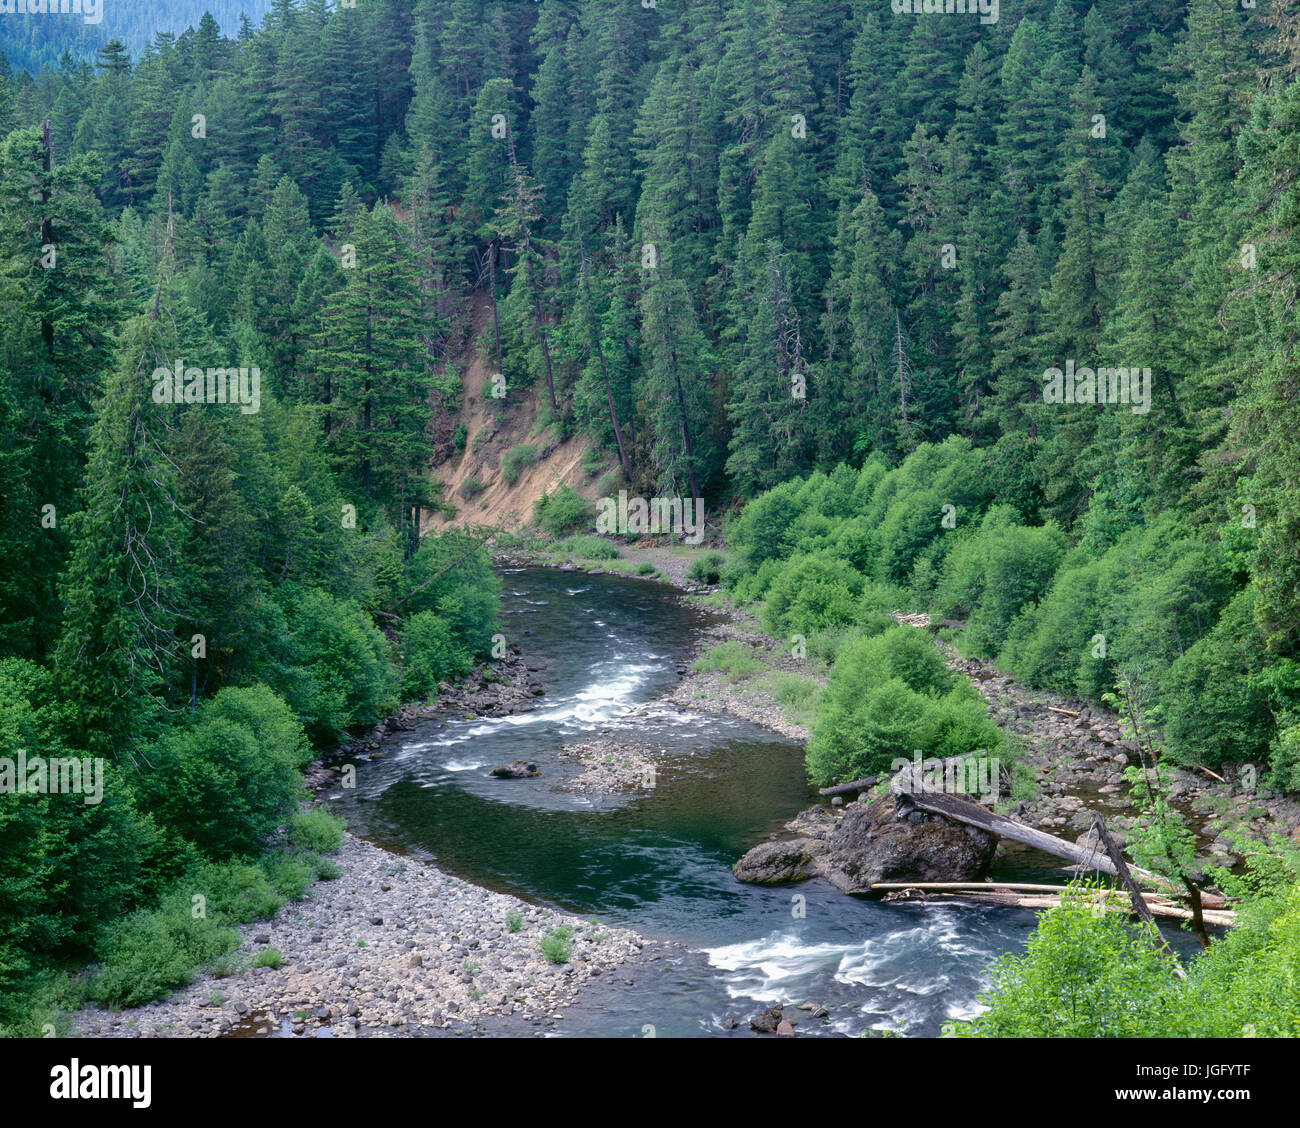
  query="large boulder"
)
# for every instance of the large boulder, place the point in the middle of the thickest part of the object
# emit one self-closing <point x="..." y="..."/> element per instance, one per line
<point x="775" y="863"/>
<point x="891" y="840"/>
<point x="887" y="839"/>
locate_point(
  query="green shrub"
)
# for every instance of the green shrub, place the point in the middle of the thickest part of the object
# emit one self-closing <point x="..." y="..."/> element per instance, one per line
<point x="590" y="547"/>
<point x="151" y="952"/>
<point x="1146" y="602"/>
<point x="272" y="722"/>
<point x="811" y="593"/>
<point x="268" y="957"/>
<point x="1082" y="976"/>
<point x="906" y="653"/>
<point x="516" y="460"/>
<point x="1088" y="977"/>
<point x="317" y="830"/>
<point x="514" y="920"/>
<point x="214" y="783"/>
<point x="291" y="874"/>
<point x="430" y="655"/>
<point x="887" y="697"/>
<point x="732" y="658"/>
<point x="239" y="894"/>
<point x="452" y="575"/>
<point x="1216" y="711"/>
<point x="557" y="944"/>
<point x="707" y="569"/>
<point x="333" y="668"/>
<point x="989" y="576"/>
<point x="563" y="511"/>
<point x="470" y="488"/>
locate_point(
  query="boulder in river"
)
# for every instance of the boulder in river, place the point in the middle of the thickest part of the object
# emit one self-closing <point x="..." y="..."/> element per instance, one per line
<point x="774" y="863"/>
<point x="519" y="769"/>
<point x="886" y="839"/>
<point x="891" y="840"/>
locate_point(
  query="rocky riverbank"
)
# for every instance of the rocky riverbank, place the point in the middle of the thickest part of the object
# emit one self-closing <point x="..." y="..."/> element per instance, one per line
<point x="1078" y="754"/>
<point x="391" y="947"/>
<point x="394" y="946"/>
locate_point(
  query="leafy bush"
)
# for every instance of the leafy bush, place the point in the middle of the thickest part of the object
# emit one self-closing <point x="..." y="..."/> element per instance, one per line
<point x="557" y="944"/>
<point x="1216" y="711"/>
<point x="452" y="575"/>
<point x="333" y="668"/>
<point x="149" y="953"/>
<point x="317" y="830"/>
<point x="268" y="957"/>
<point x="810" y="593"/>
<point x="988" y="577"/>
<point x="516" y="460"/>
<point x="732" y="658"/>
<point x="1088" y="977"/>
<point x="269" y="718"/>
<point x="239" y="894"/>
<point x="590" y="547"/>
<point x="429" y="655"/>
<point x="514" y="920"/>
<point x="563" y="511"/>
<point x="216" y="784"/>
<point x="470" y="488"/>
<point x="291" y="874"/>
<point x="707" y="569"/>
<point x="1082" y="976"/>
<point x="887" y="697"/>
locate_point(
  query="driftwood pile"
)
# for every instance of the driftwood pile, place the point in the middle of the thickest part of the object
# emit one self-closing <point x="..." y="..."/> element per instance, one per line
<point x="1105" y="858"/>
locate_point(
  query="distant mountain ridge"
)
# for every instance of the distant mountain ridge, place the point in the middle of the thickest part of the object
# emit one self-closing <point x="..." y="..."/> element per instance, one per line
<point x="30" y="40"/>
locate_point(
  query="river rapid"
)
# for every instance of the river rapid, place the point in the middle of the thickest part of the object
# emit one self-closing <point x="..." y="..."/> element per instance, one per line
<point x="658" y="861"/>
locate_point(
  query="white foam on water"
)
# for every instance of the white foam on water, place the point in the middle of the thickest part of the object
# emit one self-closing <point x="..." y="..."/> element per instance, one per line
<point x="769" y="967"/>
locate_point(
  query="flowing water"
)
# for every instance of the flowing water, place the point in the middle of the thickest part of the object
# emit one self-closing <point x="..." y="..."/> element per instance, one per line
<point x="659" y="862"/>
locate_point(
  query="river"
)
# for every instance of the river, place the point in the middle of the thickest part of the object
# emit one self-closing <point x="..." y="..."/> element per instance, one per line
<point x="659" y="862"/>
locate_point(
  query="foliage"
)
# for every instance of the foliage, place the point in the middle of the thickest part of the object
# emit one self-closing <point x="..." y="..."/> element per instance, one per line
<point x="557" y="944"/>
<point x="430" y="655"/>
<point x="317" y="830"/>
<point x="516" y="460"/>
<point x="216" y="782"/>
<point x="562" y="511"/>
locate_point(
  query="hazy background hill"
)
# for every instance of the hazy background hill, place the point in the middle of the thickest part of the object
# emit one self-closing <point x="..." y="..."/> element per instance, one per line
<point x="29" y="42"/>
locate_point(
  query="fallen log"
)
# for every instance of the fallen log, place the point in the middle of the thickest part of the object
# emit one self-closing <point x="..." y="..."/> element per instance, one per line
<point x="844" y="788"/>
<point x="1067" y="712"/>
<point x="1207" y="899"/>
<point x="972" y="814"/>
<point x="1222" y="918"/>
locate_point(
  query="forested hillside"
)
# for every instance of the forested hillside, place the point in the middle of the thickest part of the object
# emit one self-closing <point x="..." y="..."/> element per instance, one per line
<point x="30" y="40"/>
<point x="856" y="268"/>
